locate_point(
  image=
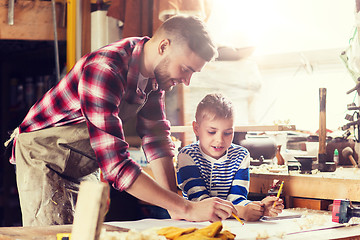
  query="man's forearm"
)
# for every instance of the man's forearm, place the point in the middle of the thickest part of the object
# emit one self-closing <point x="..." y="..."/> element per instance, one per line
<point x="164" y="173"/>
<point x="146" y="189"/>
<point x="210" y="209"/>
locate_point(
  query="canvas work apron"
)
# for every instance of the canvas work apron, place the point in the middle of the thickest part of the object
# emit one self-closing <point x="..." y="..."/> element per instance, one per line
<point x="50" y="164"/>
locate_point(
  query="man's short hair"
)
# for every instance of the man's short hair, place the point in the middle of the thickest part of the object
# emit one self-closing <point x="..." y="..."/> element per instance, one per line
<point x="213" y="106"/>
<point x="192" y="31"/>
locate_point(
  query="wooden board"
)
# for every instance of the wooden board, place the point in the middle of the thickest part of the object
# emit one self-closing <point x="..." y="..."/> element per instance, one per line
<point x="91" y="206"/>
<point x="32" y="21"/>
<point x="43" y="233"/>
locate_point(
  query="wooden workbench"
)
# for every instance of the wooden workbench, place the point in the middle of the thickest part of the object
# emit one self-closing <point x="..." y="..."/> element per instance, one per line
<point x="42" y="233"/>
<point x="343" y="183"/>
<point x="308" y="225"/>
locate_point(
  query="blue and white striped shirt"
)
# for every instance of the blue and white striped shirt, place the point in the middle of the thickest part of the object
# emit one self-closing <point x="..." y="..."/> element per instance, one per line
<point x="200" y="176"/>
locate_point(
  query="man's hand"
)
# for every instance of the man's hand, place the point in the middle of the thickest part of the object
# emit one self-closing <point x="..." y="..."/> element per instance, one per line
<point x="210" y="209"/>
<point x="270" y="209"/>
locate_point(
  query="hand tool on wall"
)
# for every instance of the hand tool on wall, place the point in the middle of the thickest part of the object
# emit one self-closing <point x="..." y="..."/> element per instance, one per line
<point x="11" y="12"/>
<point x="56" y="48"/>
<point x="357" y="88"/>
<point x="322" y="127"/>
<point x="343" y="211"/>
<point x="324" y="165"/>
<point x="348" y="153"/>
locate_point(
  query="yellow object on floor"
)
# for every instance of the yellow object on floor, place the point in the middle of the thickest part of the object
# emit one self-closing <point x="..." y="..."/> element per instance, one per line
<point x="211" y="232"/>
<point x="63" y="236"/>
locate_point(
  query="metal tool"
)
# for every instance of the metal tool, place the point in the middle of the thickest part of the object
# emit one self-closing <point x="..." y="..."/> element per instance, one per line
<point x="357" y="87"/>
<point x="267" y="218"/>
<point x="56" y="48"/>
<point x="348" y="153"/>
<point x="343" y="211"/>
<point x="11" y="12"/>
<point x="321" y="229"/>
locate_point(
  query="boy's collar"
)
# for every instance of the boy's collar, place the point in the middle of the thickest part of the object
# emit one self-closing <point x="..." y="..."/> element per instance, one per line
<point x="211" y="159"/>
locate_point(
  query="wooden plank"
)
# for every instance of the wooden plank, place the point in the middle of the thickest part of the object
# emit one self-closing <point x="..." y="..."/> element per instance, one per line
<point x="90" y="210"/>
<point x="32" y="21"/>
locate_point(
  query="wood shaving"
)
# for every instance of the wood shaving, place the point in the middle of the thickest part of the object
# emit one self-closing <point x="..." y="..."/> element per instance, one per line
<point x="262" y="235"/>
<point x="266" y="168"/>
<point x="312" y="218"/>
<point x="354" y="220"/>
<point x="131" y="235"/>
<point x="265" y="235"/>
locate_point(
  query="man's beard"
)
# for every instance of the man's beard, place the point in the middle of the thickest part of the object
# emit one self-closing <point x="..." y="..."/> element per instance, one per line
<point x="162" y="76"/>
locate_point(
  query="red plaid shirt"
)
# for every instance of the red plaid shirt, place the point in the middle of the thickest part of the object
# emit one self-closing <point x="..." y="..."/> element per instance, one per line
<point x="92" y="91"/>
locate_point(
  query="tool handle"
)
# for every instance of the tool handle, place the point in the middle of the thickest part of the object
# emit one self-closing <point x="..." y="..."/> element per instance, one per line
<point x="11" y="12"/>
<point x="353" y="212"/>
<point x="322" y="121"/>
<point x="353" y="162"/>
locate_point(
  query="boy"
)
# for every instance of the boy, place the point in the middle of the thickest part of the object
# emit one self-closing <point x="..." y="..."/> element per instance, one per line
<point x="214" y="166"/>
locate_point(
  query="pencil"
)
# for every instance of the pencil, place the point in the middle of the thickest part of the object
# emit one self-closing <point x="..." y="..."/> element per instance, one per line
<point x="279" y="192"/>
<point x="237" y="218"/>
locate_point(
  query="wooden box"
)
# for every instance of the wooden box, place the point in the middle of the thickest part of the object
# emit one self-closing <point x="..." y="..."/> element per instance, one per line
<point x="33" y="20"/>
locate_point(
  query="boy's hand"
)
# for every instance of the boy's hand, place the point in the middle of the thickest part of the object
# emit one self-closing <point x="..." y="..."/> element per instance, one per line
<point x="270" y="209"/>
<point x="253" y="211"/>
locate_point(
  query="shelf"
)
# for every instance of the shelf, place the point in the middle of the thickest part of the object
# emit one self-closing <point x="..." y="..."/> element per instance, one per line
<point x="188" y="133"/>
<point x="248" y="128"/>
<point x="33" y="20"/>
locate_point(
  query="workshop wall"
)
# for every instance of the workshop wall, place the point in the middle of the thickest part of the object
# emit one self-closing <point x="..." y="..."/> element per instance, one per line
<point x="26" y="72"/>
<point x="285" y="92"/>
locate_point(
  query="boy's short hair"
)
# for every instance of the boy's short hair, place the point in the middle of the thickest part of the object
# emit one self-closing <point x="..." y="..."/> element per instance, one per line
<point x="214" y="105"/>
<point x="192" y="31"/>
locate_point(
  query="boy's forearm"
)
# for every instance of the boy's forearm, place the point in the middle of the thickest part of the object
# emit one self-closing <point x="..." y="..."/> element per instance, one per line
<point x="250" y="212"/>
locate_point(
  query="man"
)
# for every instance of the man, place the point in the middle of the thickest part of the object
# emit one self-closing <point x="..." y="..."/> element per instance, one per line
<point x="77" y="126"/>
